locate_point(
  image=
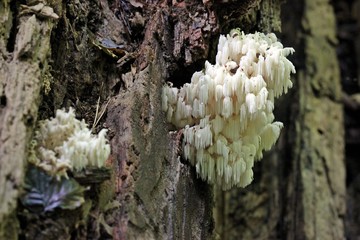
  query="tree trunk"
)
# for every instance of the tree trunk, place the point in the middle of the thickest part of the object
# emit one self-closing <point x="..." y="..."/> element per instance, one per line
<point x="318" y="209"/>
<point x="299" y="188"/>
<point x="24" y="65"/>
<point x="48" y="63"/>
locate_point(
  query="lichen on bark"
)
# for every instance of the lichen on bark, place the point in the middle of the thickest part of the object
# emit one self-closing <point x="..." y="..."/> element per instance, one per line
<point x="318" y="157"/>
<point x="25" y="49"/>
<point x="299" y="188"/>
<point x="152" y="194"/>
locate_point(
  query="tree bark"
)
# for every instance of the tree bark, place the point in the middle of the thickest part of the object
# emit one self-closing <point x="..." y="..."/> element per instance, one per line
<point x="24" y="65"/>
<point x="299" y="188"/>
<point x="47" y="64"/>
<point x="318" y="169"/>
<point x="151" y="194"/>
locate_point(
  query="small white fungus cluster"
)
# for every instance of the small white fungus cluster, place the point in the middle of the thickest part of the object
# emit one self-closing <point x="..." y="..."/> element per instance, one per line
<point x="64" y="143"/>
<point x="227" y="109"/>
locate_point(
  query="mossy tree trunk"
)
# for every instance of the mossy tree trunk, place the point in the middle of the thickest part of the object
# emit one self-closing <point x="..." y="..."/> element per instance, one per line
<point x="316" y="193"/>
<point x="299" y="188"/>
<point x="47" y="64"/>
<point x="24" y="65"/>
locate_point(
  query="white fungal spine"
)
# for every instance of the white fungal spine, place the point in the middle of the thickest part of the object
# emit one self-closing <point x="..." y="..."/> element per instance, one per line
<point x="231" y="102"/>
<point x="65" y="143"/>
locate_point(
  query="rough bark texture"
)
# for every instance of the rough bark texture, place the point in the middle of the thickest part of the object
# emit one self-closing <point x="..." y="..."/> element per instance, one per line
<point x="159" y="198"/>
<point x="152" y="194"/>
<point x="348" y="26"/>
<point x="299" y="188"/>
<point x="317" y="182"/>
<point x="298" y="191"/>
<point x="255" y="212"/>
<point x="24" y="58"/>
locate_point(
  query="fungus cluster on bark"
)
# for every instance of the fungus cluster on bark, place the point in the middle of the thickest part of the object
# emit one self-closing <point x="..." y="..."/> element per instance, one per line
<point x="65" y="143"/>
<point x="226" y="110"/>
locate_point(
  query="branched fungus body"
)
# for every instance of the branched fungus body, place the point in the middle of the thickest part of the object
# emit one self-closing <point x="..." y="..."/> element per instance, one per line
<point x="227" y="109"/>
<point x="65" y="143"/>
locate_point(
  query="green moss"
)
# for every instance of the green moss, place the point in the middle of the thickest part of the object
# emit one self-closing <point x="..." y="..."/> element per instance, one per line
<point x="151" y="145"/>
<point x="9" y="227"/>
<point x="5" y="23"/>
<point x="107" y="193"/>
<point x="270" y="16"/>
<point x="47" y="79"/>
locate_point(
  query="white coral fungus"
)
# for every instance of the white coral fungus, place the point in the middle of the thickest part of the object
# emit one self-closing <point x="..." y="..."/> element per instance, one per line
<point x="64" y="142"/>
<point x="227" y="109"/>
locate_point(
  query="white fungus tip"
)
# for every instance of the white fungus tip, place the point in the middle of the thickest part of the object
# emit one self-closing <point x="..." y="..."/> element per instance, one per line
<point x="65" y="143"/>
<point x="227" y="109"/>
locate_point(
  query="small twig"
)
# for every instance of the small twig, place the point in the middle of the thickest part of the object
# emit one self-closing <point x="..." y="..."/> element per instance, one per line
<point x="97" y="118"/>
